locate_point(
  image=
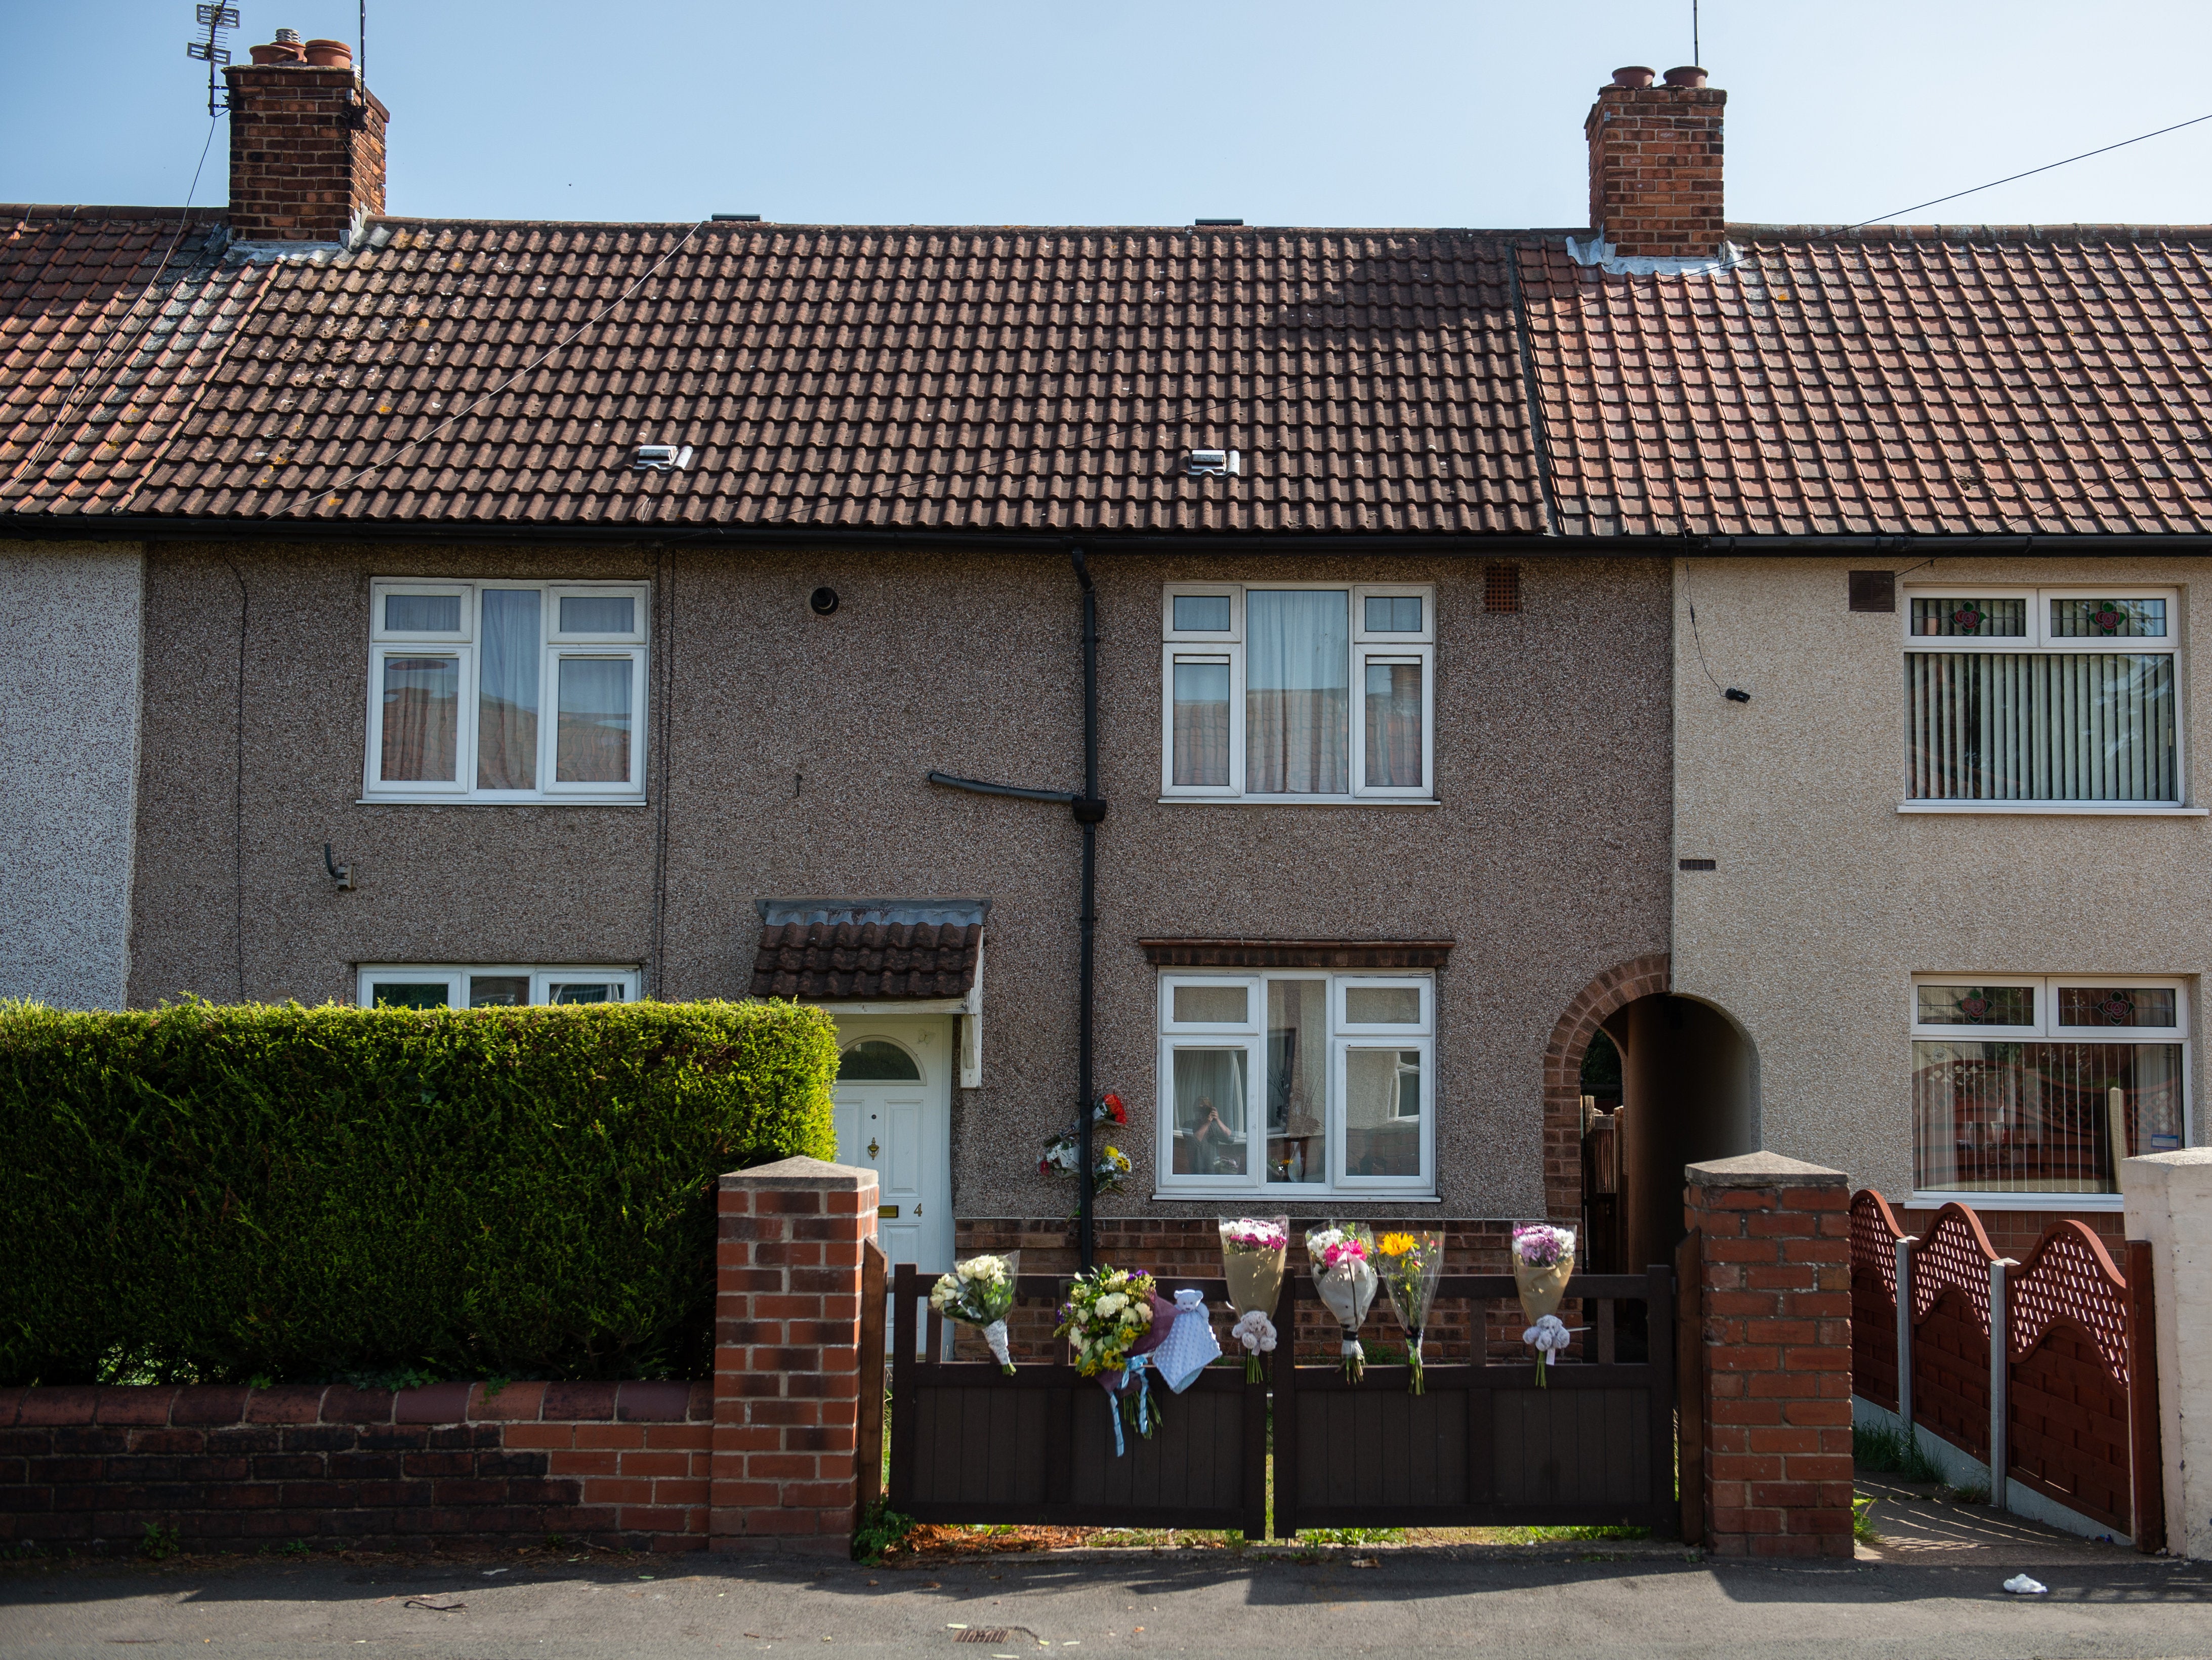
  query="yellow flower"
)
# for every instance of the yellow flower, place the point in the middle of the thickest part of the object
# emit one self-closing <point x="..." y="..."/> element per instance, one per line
<point x="1395" y="1244"/>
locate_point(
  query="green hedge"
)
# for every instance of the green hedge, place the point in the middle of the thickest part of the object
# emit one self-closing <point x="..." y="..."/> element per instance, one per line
<point x="223" y="1193"/>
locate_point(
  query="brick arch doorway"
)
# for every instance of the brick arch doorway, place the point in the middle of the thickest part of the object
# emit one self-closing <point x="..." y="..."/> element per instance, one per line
<point x="1690" y="1092"/>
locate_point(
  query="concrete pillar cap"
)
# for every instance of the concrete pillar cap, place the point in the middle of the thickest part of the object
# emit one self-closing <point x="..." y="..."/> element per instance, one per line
<point x="1763" y="1169"/>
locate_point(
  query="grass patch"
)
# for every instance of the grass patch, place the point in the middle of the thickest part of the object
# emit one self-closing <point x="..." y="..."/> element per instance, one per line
<point x="1862" y="1523"/>
<point x="1351" y="1536"/>
<point x="1890" y="1451"/>
<point x="1562" y="1535"/>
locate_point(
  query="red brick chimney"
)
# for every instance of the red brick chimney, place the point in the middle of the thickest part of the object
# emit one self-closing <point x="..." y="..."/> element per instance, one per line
<point x="1655" y="165"/>
<point x="307" y="143"/>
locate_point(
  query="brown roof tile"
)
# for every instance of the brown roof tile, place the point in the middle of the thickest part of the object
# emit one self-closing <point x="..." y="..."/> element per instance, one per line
<point x="830" y="952"/>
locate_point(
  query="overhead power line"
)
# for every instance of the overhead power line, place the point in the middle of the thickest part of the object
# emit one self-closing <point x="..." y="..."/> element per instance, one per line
<point x="1897" y="213"/>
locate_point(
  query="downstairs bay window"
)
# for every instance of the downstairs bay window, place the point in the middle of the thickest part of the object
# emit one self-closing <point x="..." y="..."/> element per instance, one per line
<point x="506" y="691"/>
<point x="425" y="985"/>
<point x="2043" y="698"/>
<point x="1301" y="1083"/>
<point x="2043" y="1084"/>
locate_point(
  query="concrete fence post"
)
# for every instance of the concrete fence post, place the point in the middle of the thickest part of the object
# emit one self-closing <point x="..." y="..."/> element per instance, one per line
<point x="1905" y="1338"/>
<point x="786" y="1355"/>
<point x="1776" y="1263"/>
<point x="2169" y="1206"/>
<point x="2000" y="1382"/>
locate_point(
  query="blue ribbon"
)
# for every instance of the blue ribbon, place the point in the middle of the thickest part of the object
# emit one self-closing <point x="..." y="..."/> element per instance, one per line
<point x="1132" y="1379"/>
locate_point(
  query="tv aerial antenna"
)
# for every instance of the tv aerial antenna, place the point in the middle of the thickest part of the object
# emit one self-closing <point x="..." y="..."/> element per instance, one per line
<point x="217" y="21"/>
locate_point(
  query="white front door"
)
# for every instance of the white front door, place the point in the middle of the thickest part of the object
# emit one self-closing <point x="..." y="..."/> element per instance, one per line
<point x="894" y="1117"/>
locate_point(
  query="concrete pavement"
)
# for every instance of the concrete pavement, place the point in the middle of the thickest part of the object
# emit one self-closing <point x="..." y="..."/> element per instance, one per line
<point x="1651" y="1602"/>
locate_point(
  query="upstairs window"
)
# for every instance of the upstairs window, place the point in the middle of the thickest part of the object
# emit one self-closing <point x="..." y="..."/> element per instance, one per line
<point x="1297" y="693"/>
<point x="2043" y="695"/>
<point x="2043" y="1084"/>
<point x="506" y="691"/>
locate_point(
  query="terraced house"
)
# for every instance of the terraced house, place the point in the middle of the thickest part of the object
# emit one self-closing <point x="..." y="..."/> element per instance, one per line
<point x="1402" y="655"/>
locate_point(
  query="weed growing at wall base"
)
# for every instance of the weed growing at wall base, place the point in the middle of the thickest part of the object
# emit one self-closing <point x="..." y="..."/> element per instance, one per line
<point x="216" y="1194"/>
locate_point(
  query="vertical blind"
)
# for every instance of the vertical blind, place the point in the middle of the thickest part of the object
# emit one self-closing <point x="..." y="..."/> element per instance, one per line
<point x="2039" y="1117"/>
<point x="2043" y="726"/>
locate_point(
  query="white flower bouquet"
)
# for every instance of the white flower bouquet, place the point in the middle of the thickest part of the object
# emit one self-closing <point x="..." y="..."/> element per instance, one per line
<point x="1114" y="1319"/>
<point x="1543" y="1262"/>
<point x="1252" y="1249"/>
<point x="1343" y="1259"/>
<point x="979" y="1293"/>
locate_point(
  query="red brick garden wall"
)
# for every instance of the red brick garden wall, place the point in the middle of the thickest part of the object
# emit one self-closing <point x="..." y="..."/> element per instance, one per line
<point x="236" y="1468"/>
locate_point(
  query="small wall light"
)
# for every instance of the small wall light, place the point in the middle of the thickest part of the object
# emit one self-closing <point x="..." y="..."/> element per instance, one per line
<point x="821" y="601"/>
<point x="340" y="874"/>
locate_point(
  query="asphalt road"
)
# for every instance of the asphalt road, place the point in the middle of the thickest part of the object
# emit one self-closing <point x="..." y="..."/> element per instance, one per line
<point x="1410" y="1602"/>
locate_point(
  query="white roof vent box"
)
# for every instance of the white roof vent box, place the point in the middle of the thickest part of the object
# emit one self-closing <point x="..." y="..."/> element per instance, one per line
<point x="660" y="457"/>
<point x="1214" y="464"/>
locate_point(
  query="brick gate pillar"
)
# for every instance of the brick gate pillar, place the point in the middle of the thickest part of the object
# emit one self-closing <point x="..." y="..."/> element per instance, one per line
<point x="786" y="1355"/>
<point x="1776" y="1326"/>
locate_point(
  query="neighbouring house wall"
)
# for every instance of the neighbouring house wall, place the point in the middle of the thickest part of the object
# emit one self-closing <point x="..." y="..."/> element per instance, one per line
<point x="1826" y="899"/>
<point x="68" y="750"/>
<point x="797" y="746"/>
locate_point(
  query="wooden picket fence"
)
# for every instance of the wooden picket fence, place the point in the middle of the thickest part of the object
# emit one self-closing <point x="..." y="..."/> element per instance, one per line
<point x="2064" y="1401"/>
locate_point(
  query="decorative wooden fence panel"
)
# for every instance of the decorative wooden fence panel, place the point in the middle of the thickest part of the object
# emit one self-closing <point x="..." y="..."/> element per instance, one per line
<point x="2072" y="1372"/>
<point x="970" y="1445"/>
<point x="1484" y="1446"/>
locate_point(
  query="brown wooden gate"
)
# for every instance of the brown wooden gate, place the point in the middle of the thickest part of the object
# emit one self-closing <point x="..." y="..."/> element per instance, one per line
<point x="970" y="1445"/>
<point x="1483" y="1446"/>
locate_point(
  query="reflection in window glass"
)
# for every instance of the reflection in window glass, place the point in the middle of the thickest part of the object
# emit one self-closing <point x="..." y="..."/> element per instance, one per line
<point x="499" y="991"/>
<point x="1201" y="723"/>
<point x="1299" y="692"/>
<point x="1977" y="1006"/>
<point x="594" y="736"/>
<point x="507" y="695"/>
<point x="408" y="994"/>
<point x="595" y="991"/>
<point x="1381" y="1112"/>
<point x="1395" y="614"/>
<point x="421" y="724"/>
<point x="1202" y="613"/>
<point x="2131" y="1006"/>
<point x="599" y="613"/>
<point x="877" y="1060"/>
<point x="1209" y="1112"/>
<point x="2040" y="1117"/>
<point x="1393" y="726"/>
<point x="1381" y="1006"/>
<point x="1212" y="1005"/>
<point x="2108" y="619"/>
<point x="1297" y="1080"/>
<point x="422" y="613"/>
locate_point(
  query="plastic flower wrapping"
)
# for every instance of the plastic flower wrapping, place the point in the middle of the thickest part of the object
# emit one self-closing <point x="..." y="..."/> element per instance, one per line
<point x="1109" y="1165"/>
<point x="1114" y="1319"/>
<point x="1410" y="1261"/>
<point x="1342" y="1256"/>
<point x="1543" y="1262"/>
<point x="1253" y="1250"/>
<point x="978" y="1292"/>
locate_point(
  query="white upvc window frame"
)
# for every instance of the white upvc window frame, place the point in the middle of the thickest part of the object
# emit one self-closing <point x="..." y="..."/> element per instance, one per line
<point x="1251" y="1036"/>
<point x="455" y="977"/>
<point x="464" y="644"/>
<point x="1229" y="646"/>
<point x="2047" y="1028"/>
<point x="2040" y="640"/>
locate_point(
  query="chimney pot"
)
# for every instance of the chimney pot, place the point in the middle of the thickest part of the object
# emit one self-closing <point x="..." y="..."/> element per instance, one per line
<point x="337" y="55"/>
<point x="1634" y="76"/>
<point x="288" y="37"/>
<point x="1688" y="76"/>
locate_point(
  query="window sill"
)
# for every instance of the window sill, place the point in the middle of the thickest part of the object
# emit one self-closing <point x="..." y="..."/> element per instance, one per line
<point x="473" y="801"/>
<point x="1299" y="801"/>
<point x="1249" y="1197"/>
<point x="2059" y="809"/>
<point x="2012" y="1201"/>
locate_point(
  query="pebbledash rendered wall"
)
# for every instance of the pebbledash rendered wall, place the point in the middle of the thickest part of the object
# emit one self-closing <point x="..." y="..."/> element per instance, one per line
<point x="1826" y="899"/>
<point x="789" y="752"/>
<point x="68" y="757"/>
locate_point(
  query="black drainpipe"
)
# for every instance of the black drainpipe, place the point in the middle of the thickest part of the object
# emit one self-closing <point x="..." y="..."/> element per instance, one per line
<point x="1089" y="808"/>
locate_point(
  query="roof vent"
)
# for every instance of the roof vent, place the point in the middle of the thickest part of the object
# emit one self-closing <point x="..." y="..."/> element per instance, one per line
<point x="1217" y="222"/>
<point x="1214" y="464"/>
<point x="660" y="457"/>
<point x="737" y="218"/>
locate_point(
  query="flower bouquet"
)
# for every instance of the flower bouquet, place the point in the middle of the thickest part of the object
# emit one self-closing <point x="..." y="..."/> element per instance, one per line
<point x="1114" y="1319"/>
<point x="1343" y="1258"/>
<point x="1543" y="1261"/>
<point x="1109" y="1165"/>
<point x="978" y="1292"/>
<point x="1252" y="1252"/>
<point x="1410" y="1264"/>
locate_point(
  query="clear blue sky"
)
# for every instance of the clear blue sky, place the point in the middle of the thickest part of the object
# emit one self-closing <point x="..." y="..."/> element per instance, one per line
<point x="1289" y="113"/>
